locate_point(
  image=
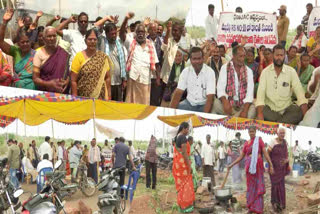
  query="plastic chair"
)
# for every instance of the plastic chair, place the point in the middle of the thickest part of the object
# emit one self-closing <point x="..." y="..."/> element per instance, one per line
<point x="131" y="186"/>
<point x="41" y="178"/>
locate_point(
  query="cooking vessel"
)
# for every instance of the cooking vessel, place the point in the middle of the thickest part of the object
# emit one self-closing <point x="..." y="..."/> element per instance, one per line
<point x="223" y="194"/>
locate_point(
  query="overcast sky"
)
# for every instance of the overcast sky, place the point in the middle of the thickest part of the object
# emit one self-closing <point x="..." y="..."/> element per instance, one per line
<point x="142" y="8"/>
<point x="144" y="128"/>
<point x="296" y="9"/>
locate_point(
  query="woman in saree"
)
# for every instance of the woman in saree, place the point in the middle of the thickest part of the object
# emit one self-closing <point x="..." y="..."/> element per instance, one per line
<point x="305" y="71"/>
<point x="313" y="48"/>
<point x="278" y="152"/>
<point x="90" y="76"/>
<point x="253" y="151"/>
<point x="193" y="163"/>
<point x="22" y="55"/>
<point x="50" y="65"/>
<point x="181" y="170"/>
<point x="5" y="71"/>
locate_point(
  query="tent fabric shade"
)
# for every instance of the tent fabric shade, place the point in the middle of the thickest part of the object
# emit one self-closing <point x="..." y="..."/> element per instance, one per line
<point x="176" y="120"/>
<point x="234" y="123"/>
<point x="35" y="110"/>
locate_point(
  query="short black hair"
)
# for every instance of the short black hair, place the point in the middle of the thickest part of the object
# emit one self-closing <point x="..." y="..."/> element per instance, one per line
<point x="235" y="49"/>
<point x="210" y="6"/>
<point x="137" y="22"/>
<point x="305" y="54"/>
<point x="83" y="14"/>
<point x="10" y="141"/>
<point x="222" y="46"/>
<point x="234" y="44"/>
<point x="40" y="29"/>
<point x="46" y="156"/>
<point x="195" y="50"/>
<point x="238" y="134"/>
<point x="309" y="4"/>
<point x="116" y="139"/>
<point x="132" y="25"/>
<point x="98" y="18"/>
<point x="62" y="20"/>
<point x="239" y="8"/>
<point x="90" y="31"/>
<point x="261" y="46"/>
<point x="292" y="46"/>
<point x="47" y="138"/>
<point x="109" y="26"/>
<point x="278" y="47"/>
<point x="190" y="138"/>
<point x="122" y="139"/>
<point x="130" y="142"/>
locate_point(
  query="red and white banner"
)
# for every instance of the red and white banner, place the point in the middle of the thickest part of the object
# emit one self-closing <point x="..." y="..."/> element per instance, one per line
<point x="314" y="21"/>
<point x="259" y="28"/>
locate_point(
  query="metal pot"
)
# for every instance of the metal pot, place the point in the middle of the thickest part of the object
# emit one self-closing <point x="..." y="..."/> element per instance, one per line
<point x="222" y="193"/>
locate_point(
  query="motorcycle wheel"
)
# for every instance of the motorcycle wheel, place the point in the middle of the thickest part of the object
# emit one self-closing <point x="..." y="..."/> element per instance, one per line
<point x="162" y="166"/>
<point x="122" y="206"/>
<point x="107" y="210"/>
<point x="88" y="188"/>
<point x="306" y="168"/>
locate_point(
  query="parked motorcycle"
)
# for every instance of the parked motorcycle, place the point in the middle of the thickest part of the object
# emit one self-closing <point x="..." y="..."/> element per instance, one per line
<point x="314" y="159"/>
<point x="85" y="184"/>
<point x="49" y="200"/>
<point x="110" y="201"/>
<point x="9" y="195"/>
<point x="165" y="162"/>
<point x="303" y="161"/>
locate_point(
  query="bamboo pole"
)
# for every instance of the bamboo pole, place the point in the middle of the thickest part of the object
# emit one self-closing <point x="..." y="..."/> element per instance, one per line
<point x="24" y="120"/>
<point x="222" y="6"/>
<point x="94" y="118"/>
<point x="52" y="128"/>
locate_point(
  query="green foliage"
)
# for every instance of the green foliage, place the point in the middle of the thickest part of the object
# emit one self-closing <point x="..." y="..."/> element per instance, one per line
<point x="196" y="32"/>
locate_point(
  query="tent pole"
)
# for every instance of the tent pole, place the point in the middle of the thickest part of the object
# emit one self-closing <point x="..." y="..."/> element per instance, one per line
<point x="52" y="128"/>
<point x="291" y="134"/>
<point x="134" y="130"/>
<point x="164" y="112"/>
<point x="94" y="118"/>
<point x="24" y="120"/>
<point x="222" y="6"/>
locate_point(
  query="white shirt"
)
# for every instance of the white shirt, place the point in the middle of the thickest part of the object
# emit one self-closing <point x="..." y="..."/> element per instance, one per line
<point x="76" y="39"/>
<point x="132" y="151"/>
<point x="222" y="83"/>
<point x="45" y="148"/>
<point x="44" y="164"/>
<point x="140" y="66"/>
<point x="211" y="24"/>
<point x="222" y="152"/>
<point x="94" y="155"/>
<point x="129" y="38"/>
<point x="198" y="86"/>
<point x="27" y="165"/>
<point x="169" y="54"/>
<point x="185" y="42"/>
<point x="207" y="153"/>
<point x="303" y="42"/>
<point x="296" y="151"/>
<point x="60" y="153"/>
<point x="311" y="149"/>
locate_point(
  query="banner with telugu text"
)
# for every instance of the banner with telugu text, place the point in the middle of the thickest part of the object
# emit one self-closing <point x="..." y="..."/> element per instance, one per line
<point x="259" y="28"/>
<point x="314" y="21"/>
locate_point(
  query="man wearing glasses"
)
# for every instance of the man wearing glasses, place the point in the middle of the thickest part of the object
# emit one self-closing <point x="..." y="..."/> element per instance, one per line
<point x="75" y="37"/>
<point x="274" y="98"/>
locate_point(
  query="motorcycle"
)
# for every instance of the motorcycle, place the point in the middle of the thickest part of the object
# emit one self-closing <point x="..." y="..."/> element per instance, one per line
<point x="85" y="184"/>
<point x="110" y="201"/>
<point x="9" y="195"/>
<point x="303" y="161"/>
<point x="314" y="160"/>
<point x="49" y="200"/>
<point x="165" y="162"/>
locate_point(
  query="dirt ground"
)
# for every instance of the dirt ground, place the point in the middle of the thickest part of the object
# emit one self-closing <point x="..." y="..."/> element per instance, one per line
<point x="163" y="200"/>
